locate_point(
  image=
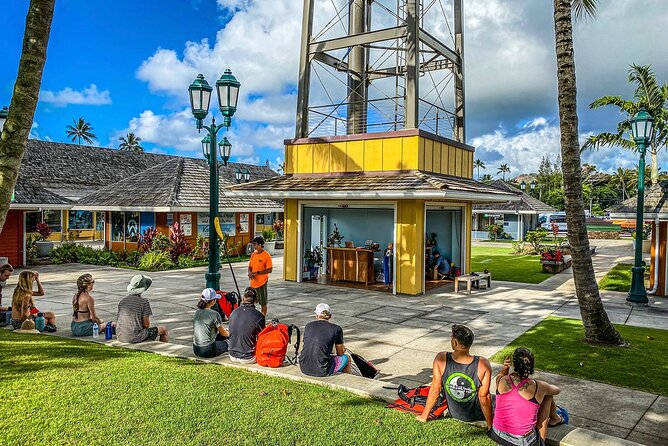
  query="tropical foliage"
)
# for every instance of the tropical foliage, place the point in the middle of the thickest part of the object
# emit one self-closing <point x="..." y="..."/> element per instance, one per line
<point x="130" y="143"/>
<point x="479" y="164"/>
<point x="80" y="130"/>
<point x="503" y="170"/>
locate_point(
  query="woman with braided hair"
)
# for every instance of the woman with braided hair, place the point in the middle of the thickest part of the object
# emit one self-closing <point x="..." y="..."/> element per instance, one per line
<point x="524" y="406"/>
<point x="84" y="315"/>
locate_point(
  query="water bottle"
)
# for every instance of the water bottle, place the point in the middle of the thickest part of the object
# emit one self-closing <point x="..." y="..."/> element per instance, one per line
<point x="40" y="322"/>
<point x="108" y="331"/>
<point x="96" y="331"/>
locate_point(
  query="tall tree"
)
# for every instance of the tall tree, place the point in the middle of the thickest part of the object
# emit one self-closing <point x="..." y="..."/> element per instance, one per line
<point x="130" y="143"/>
<point x="597" y="326"/>
<point x="80" y="130"/>
<point x="503" y="169"/>
<point x="14" y="137"/>
<point x="648" y="95"/>
<point x="479" y="164"/>
<point x="623" y="179"/>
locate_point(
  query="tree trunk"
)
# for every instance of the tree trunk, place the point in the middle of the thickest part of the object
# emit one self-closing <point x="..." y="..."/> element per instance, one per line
<point x="596" y="323"/>
<point x="655" y="166"/>
<point x="14" y="138"/>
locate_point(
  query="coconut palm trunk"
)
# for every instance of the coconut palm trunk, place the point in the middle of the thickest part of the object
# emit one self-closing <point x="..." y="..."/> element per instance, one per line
<point x="596" y="323"/>
<point x="14" y="137"/>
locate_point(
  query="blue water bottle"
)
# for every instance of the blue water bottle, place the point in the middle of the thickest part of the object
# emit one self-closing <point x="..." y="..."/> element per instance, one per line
<point x="96" y="331"/>
<point x="40" y="322"/>
<point x="108" y="331"/>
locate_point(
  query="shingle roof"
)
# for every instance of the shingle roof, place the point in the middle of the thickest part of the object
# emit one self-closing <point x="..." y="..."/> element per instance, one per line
<point x="381" y="184"/>
<point x="655" y="204"/>
<point x="29" y="193"/>
<point x="177" y="183"/>
<point x="526" y="203"/>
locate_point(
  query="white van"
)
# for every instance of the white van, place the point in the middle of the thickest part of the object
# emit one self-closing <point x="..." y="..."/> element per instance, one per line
<point x="546" y="220"/>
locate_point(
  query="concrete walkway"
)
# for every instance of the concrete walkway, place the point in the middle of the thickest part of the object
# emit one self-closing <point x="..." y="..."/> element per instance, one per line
<point x="401" y="335"/>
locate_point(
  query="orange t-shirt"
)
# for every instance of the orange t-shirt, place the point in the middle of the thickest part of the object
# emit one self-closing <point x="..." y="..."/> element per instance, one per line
<point x="259" y="261"/>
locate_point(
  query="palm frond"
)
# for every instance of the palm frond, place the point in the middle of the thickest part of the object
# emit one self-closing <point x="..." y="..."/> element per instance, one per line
<point x="584" y="9"/>
<point x="607" y="139"/>
<point x="623" y="104"/>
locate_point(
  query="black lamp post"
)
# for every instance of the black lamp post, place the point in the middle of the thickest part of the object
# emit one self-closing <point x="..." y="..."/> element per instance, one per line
<point x="238" y="174"/>
<point x="642" y="125"/>
<point x="200" y="98"/>
<point x="246" y="175"/>
<point x="523" y="186"/>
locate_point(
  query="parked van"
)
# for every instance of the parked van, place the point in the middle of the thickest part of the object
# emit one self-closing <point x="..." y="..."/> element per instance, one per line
<point x="546" y="220"/>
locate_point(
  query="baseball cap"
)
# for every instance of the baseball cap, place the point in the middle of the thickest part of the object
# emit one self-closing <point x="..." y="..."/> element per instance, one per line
<point x="322" y="308"/>
<point x="209" y="294"/>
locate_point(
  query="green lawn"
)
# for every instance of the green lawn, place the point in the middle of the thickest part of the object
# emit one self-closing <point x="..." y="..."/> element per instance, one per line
<point x="507" y="266"/>
<point x="619" y="278"/>
<point x="559" y="347"/>
<point x="63" y="391"/>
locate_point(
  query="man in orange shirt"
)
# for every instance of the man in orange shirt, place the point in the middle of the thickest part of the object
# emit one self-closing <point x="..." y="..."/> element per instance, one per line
<point x="259" y="268"/>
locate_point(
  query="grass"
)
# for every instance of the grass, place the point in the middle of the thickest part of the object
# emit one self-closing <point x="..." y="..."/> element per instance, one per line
<point x="619" y="278"/>
<point x="559" y="347"/>
<point x="506" y="266"/>
<point x="64" y="391"/>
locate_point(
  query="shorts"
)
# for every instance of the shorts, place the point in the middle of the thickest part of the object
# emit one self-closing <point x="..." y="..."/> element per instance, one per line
<point x="533" y="438"/>
<point x="339" y="363"/>
<point x="243" y="361"/>
<point x="152" y="334"/>
<point x="216" y="348"/>
<point x="262" y="294"/>
<point x="84" y="328"/>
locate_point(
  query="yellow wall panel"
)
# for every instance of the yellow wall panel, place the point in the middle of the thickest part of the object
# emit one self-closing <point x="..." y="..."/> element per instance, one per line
<point x="304" y="158"/>
<point x="437" y="157"/>
<point x="337" y="157"/>
<point x="373" y="155"/>
<point x="291" y="222"/>
<point x="458" y="162"/>
<point x="355" y="156"/>
<point x="321" y="158"/>
<point x="290" y="159"/>
<point x="467" y="222"/>
<point x="428" y="155"/>
<point x="421" y="144"/>
<point x="470" y="175"/>
<point x="409" y="153"/>
<point x="452" y="163"/>
<point x="392" y="154"/>
<point x="410" y="246"/>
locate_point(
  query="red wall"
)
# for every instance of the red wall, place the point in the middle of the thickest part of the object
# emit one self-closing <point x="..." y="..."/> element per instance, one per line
<point x="11" y="238"/>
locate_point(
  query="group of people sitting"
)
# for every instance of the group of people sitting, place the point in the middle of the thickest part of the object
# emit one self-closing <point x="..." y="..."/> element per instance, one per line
<point x="23" y="310"/>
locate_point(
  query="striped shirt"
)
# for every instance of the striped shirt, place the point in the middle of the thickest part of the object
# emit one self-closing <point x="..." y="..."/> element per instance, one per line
<point x="130" y="318"/>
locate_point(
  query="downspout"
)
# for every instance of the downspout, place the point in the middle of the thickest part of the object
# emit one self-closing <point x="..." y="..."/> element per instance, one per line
<point x="656" y="257"/>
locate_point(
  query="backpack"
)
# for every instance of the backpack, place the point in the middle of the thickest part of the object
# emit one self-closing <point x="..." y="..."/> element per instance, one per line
<point x="362" y="367"/>
<point x="272" y="344"/>
<point x="226" y="303"/>
<point x="413" y="401"/>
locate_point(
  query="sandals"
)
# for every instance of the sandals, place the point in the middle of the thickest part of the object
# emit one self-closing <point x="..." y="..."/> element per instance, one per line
<point x="563" y="417"/>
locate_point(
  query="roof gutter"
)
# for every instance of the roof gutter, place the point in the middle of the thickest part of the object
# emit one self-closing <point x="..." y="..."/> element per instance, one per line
<point x="172" y="209"/>
<point x="27" y="206"/>
<point x="366" y="194"/>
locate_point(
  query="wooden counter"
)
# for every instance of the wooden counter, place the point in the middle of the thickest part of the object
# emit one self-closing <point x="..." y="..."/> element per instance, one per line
<point x="351" y="264"/>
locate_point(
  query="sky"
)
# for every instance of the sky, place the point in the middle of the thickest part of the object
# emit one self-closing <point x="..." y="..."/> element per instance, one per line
<point x="125" y="67"/>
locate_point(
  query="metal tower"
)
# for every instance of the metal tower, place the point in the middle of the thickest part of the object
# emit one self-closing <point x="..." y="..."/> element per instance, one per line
<point x="381" y="65"/>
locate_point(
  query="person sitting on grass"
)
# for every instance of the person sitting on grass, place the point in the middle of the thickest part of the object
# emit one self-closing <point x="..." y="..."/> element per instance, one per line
<point x="23" y="304"/>
<point x="209" y="335"/>
<point x="320" y="337"/>
<point x="84" y="315"/>
<point x="465" y="379"/>
<point x="245" y="324"/>
<point x="132" y="322"/>
<point x="524" y="406"/>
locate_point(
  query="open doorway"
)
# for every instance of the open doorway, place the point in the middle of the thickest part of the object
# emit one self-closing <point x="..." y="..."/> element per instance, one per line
<point x="444" y="247"/>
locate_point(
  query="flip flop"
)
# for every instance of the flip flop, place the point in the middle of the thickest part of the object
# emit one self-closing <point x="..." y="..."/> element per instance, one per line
<point x="563" y="416"/>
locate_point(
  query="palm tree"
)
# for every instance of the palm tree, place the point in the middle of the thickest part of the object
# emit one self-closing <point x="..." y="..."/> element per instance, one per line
<point x="130" y="143"/>
<point x="478" y="164"/>
<point x="486" y="178"/>
<point x="597" y="326"/>
<point x="81" y="130"/>
<point x="624" y="180"/>
<point x="503" y="169"/>
<point x="648" y="95"/>
<point x="24" y="98"/>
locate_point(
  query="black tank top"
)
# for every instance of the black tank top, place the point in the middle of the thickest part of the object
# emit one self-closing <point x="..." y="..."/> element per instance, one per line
<point x="461" y="384"/>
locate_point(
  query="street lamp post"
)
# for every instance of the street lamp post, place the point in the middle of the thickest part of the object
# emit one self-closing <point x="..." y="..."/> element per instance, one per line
<point x="642" y="125"/>
<point x="523" y="186"/>
<point x="200" y="97"/>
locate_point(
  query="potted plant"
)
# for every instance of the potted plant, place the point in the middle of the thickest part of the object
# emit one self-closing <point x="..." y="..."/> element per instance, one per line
<point x="646" y="242"/>
<point x="278" y="227"/>
<point x="335" y="238"/>
<point x="43" y="245"/>
<point x="313" y="260"/>
<point x="269" y="237"/>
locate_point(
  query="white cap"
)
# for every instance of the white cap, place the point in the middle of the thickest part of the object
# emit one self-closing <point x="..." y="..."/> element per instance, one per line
<point x="209" y="294"/>
<point x="322" y="308"/>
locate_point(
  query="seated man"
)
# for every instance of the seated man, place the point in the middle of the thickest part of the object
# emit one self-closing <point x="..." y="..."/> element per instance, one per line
<point x="246" y="322"/>
<point x="320" y="336"/>
<point x="465" y="378"/>
<point x="132" y="322"/>
<point x="441" y="266"/>
<point x="6" y="271"/>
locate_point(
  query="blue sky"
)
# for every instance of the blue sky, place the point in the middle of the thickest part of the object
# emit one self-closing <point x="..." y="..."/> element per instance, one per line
<point x="125" y="66"/>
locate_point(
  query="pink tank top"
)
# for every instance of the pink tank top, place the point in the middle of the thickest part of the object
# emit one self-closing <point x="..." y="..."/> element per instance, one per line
<point x="514" y="414"/>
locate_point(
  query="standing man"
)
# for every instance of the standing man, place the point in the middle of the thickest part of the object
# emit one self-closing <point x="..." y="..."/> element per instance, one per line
<point x="6" y="270"/>
<point x="259" y="268"/>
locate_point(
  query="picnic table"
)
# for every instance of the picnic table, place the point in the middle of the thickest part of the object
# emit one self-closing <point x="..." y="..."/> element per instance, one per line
<point x="471" y="278"/>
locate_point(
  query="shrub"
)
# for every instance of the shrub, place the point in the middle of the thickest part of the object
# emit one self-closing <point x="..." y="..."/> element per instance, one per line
<point x="31" y="248"/>
<point x="156" y="261"/>
<point x="494" y="231"/>
<point x="278" y="228"/>
<point x="44" y="231"/>
<point x="201" y="250"/>
<point x="161" y="243"/>
<point x="535" y="238"/>
<point x="268" y="235"/>
<point x="65" y="253"/>
<point x="180" y="245"/>
<point x="146" y="239"/>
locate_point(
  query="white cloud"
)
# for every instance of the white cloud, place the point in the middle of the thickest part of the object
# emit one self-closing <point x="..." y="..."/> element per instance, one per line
<point x="174" y="130"/>
<point x="67" y="96"/>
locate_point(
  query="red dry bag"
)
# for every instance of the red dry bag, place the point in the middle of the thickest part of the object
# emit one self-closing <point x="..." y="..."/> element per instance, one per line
<point x="272" y="344"/>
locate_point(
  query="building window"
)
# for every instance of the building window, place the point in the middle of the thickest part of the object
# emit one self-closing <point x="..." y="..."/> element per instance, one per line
<point x="99" y="221"/>
<point x="80" y="220"/>
<point x="132" y="226"/>
<point x="117" y="227"/>
<point x="51" y="218"/>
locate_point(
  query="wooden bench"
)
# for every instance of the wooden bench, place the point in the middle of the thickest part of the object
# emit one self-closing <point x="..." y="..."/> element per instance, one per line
<point x="470" y="278"/>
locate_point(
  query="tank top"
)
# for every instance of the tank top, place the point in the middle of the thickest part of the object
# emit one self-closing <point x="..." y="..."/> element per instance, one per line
<point x="514" y="414"/>
<point x="461" y="384"/>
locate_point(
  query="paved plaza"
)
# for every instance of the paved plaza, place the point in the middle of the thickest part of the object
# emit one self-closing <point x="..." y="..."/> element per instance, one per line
<point x="402" y="334"/>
